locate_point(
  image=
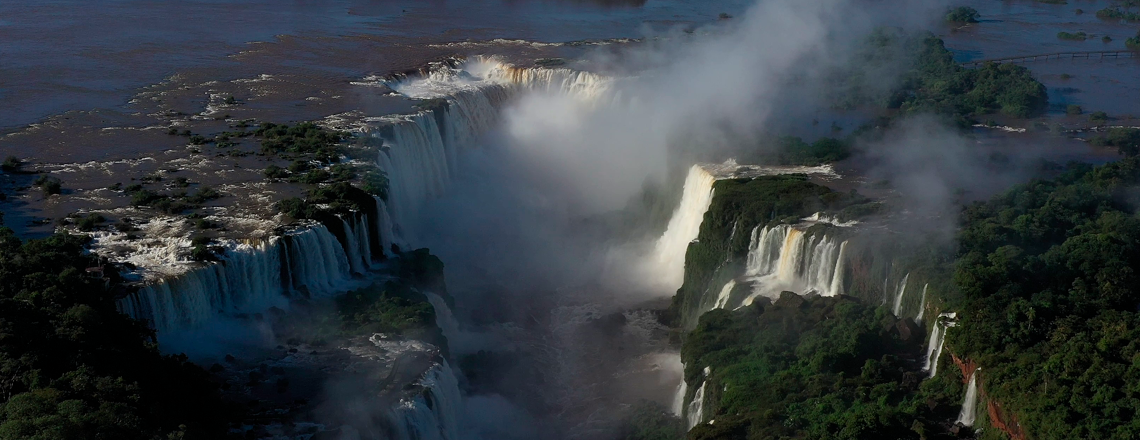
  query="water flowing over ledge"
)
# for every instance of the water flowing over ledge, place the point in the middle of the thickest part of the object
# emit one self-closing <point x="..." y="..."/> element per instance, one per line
<point x="418" y="152"/>
<point x="684" y="225"/>
<point x="937" y="341"/>
<point x="253" y="277"/>
<point x="783" y="257"/>
<point x="969" y="411"/>
<point x="434" y="412"/>
<point x="462" y="100"/>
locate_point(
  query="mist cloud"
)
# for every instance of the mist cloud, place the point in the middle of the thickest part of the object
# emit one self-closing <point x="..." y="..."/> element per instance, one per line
<point x="694" y="96"/>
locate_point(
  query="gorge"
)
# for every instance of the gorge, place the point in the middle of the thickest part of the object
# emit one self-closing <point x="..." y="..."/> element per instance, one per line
<point x="626" y="241"/>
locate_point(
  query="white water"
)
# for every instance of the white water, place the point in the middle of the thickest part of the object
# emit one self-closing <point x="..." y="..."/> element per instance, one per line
<point x="782" y="257"/>
<point x="684" y="225"/>
<point x="444" y="318"/>
<point x="679" y="399"/>
<point x="420" y="152"/>
<point x="936" y="342"/>
<point x="725" y="292"/>
<point x="820" y="217"/>
<point x="696" y="406"/>
<point x="434" y="413"/>
<point x="317" y="262"/>
<point x="899" y="294"/>
<point x="921" y="305"/>
<point x="352" y="248"/>
<point x="384" y="226"/>
<point x="247" y="279"/>
<point x="362" y="231"/>
<point x="970" y="404"/>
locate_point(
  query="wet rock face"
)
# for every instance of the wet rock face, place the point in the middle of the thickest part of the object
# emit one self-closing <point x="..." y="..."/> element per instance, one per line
<point x="790" y="300"/>
<point x="908" y="331"/>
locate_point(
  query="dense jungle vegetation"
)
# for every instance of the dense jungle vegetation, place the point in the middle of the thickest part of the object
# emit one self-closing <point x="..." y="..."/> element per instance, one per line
<point x="933" y="82"/>
<point x="1047" y="274"/>
<point x="938" y="84"/>
<point x="812" y="368"/>
<point x="1045" y="285"/>
<point x="73" y="367"/>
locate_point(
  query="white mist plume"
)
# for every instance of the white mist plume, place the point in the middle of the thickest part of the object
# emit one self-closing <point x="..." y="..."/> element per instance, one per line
<point x="691" y="93"/>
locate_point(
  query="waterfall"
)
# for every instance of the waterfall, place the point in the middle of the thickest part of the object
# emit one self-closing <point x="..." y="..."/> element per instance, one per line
<point x="679" y="399"/>
<point x="363" y="239"/>
<point x="936" y="342"/>
<point x="696" y="406"/>
<point x="384" y="226"/>
<point x="934" y="349"/>
<point x="921" y="305"/>
<point x="248" y="278"/>
<point x="352" y="247"/>
<point x="443" y="317"/>
<point x="317" y="261"/>
<point x="415" y="159"/>
<point x="791" y="256"/>
<point x="970" y="403"/>
<point x="586" y="86"/>
<point x="420" y="151"/>
<point x="684" y="226"/>
<point x="899" y="293"/>
<point x="763" y="251"/>
<point x="725" y="292"/>
<point x="837" y="277"/>
<point x="434" y="412"/>
<point x="783" y="257"/>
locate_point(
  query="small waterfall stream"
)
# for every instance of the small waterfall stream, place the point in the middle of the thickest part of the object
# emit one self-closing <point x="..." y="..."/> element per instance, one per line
<point x="899" y="294"/>
<point x="937" y="341"/>
<point x="969" y="411"/>
<point x="696" y="406"/>
<point x="678" y="406"/>
<point x="443" y="317"/>
<point x="921" y="305"/>
<point x="725" y="292"/>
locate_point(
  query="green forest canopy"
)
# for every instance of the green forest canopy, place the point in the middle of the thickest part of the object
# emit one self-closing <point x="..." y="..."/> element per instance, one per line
<point x="1048" y="277"/>
<point x="73" y="367"/>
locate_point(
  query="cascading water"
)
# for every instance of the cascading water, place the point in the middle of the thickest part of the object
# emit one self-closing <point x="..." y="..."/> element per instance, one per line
<point x="921" y="305"/>
<point x="317" y="261"/>
<point x="725" y="292"/>
<point x="420" y="150"/>
<point x="352" y="248"/>
<point x="899" y="294"/>
<point x="443" y="317"/>
<point x="434" y="412"/>
<point x="248" y="277"/>
<point x="669" y="253"/>
<point x="783" y="257"/>
<point x="363" y="240"/>
<point x="970" y="404"/>
<point x="696" y="406"/>
<point x="936" y="342"/>
<point x="678" y="406"/>
<point x="384" y="226"/>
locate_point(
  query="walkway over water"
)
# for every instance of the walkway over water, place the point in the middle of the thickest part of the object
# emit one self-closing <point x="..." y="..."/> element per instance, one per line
<point x="1093" y="54"/>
